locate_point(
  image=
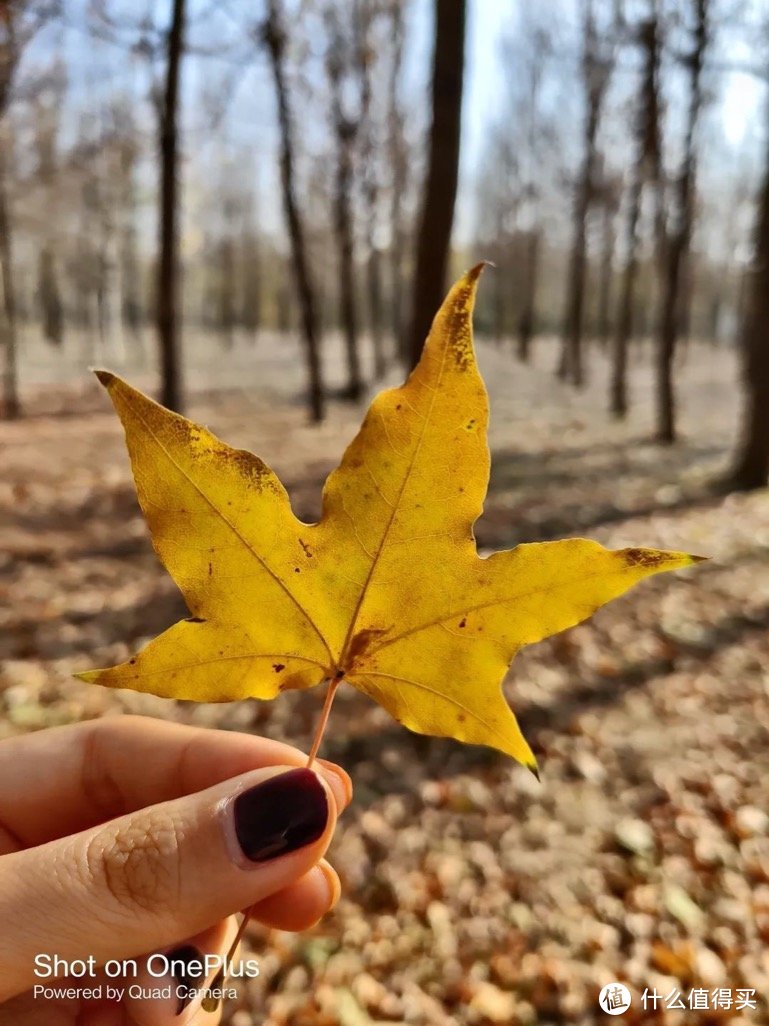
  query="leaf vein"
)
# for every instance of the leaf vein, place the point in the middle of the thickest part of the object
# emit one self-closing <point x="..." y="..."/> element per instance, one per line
<point x="262" y="562"/>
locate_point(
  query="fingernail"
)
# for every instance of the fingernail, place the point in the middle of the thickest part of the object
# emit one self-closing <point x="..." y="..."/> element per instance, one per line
<point x="280" y="815"/>
<point x="338" y="781"/>
<point x="184" y="972"/>
<point x="332" y="882"/>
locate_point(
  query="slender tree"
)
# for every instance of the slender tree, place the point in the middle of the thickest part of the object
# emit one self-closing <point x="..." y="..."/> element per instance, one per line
<point x="345" y="127"/>
<point x="596" y="69"/>
<point x="396" y="145"/>
<point x="10" y="383"/>
<point x="440" y="188"/>
<point x="645" y="172"/>
<point x="608" y="204"/>
<point x="527" y="316"/>
<point x="47" y="113"/>
<point x="226" y="298"/>
<point x="127" y="156"/>
<point x="274" y="38"/>
<point x="751" y="462"/>
<point x="677" y="242"/>
<point x="532" y="190"/>
<point x="167" y="298"/>
<point x="9" y="58"/>
<point x="250" y="291"/>
<point x="370" y="184"/>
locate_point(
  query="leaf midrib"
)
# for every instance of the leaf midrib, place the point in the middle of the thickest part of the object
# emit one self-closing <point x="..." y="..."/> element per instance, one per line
<point x="560" y="585"/>
<point x="393" y="512"/>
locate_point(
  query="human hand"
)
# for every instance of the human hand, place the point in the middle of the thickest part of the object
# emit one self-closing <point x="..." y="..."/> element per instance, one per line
<point x="128" y="836"/>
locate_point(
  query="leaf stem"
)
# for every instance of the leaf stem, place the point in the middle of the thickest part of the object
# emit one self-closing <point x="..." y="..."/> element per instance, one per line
<point x="322" y="723"/>
<point x="211" y="1004"/>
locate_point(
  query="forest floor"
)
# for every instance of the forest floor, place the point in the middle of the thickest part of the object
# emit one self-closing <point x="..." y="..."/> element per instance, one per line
<point x="472" y="894"/>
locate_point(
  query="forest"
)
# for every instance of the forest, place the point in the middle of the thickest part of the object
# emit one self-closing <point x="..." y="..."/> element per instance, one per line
<point x="253" y="211"/>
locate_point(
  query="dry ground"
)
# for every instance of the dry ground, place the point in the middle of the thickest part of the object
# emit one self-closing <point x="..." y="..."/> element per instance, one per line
<point x="472" y="894"/>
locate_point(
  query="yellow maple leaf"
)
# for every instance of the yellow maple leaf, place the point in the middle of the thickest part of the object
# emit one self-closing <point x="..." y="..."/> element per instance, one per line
<point x="387" y="591"/>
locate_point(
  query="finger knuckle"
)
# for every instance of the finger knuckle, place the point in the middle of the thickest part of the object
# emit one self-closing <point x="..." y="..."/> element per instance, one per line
<point x="138" y="862"/>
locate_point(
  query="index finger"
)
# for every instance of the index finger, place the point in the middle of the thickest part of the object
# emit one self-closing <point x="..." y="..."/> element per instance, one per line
<point x="66" y="779"/>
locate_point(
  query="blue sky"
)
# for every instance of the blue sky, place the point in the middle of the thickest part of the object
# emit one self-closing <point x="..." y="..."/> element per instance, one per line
<point x="737" y="117"/>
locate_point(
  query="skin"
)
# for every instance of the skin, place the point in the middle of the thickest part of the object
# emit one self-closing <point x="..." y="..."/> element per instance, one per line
<point x="113" y="844"/>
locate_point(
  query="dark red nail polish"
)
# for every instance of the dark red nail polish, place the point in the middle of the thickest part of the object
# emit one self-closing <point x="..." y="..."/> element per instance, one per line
<point x="280" y="815"/>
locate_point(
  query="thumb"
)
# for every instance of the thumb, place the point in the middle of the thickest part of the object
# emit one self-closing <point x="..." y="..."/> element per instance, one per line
<point x="146" y="880"/>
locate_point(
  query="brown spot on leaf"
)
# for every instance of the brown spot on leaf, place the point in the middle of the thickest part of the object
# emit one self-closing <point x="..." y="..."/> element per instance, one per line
<point x="360" y="642"/>
<point x="647" y="558"/>
<point x="463" y="351"/>
<point x="463" y="622"/>
<point x="277" y="667"/>
<point x="461" y="717"/>
<point x="210" y="570"/>
<point x="251" y="467"/>
<point x="306" y="548"/>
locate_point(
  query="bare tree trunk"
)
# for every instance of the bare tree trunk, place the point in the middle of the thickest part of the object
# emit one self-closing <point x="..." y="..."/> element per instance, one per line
<point x="167" y="304"/>
<point x="595" y="70"/>
<point x="227" y="284"/>
<point x="374" y="287"/>
<point x="443" y="170"/>
<point x="128" y="252"/>
<point x="10" y="384"/>
<point x="646" y="169"/>
<point x="499" y="306"/>
<point x="677" y="245"/>
<point x="606" y="279"/>
<point x="111" y="339"/>
<point x="345" y="130"/>
<point x="570" y="366"/>
<point x="526" y="321"/>
<point x="397" y="157"/>
<point x="48" y="294"/>
<point x="751" y="463"/>
<point x="618" y="403"/>
<point x="130" y="289"/>
<point x="371" y="191"/>
<point x="50" y="297"/>
<point x="250" y="304"/>
<point x="275" y="41"/>
<point x="374" y="282"/>
<point x="87" y="267"/>
<point x="9" y="58"/>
